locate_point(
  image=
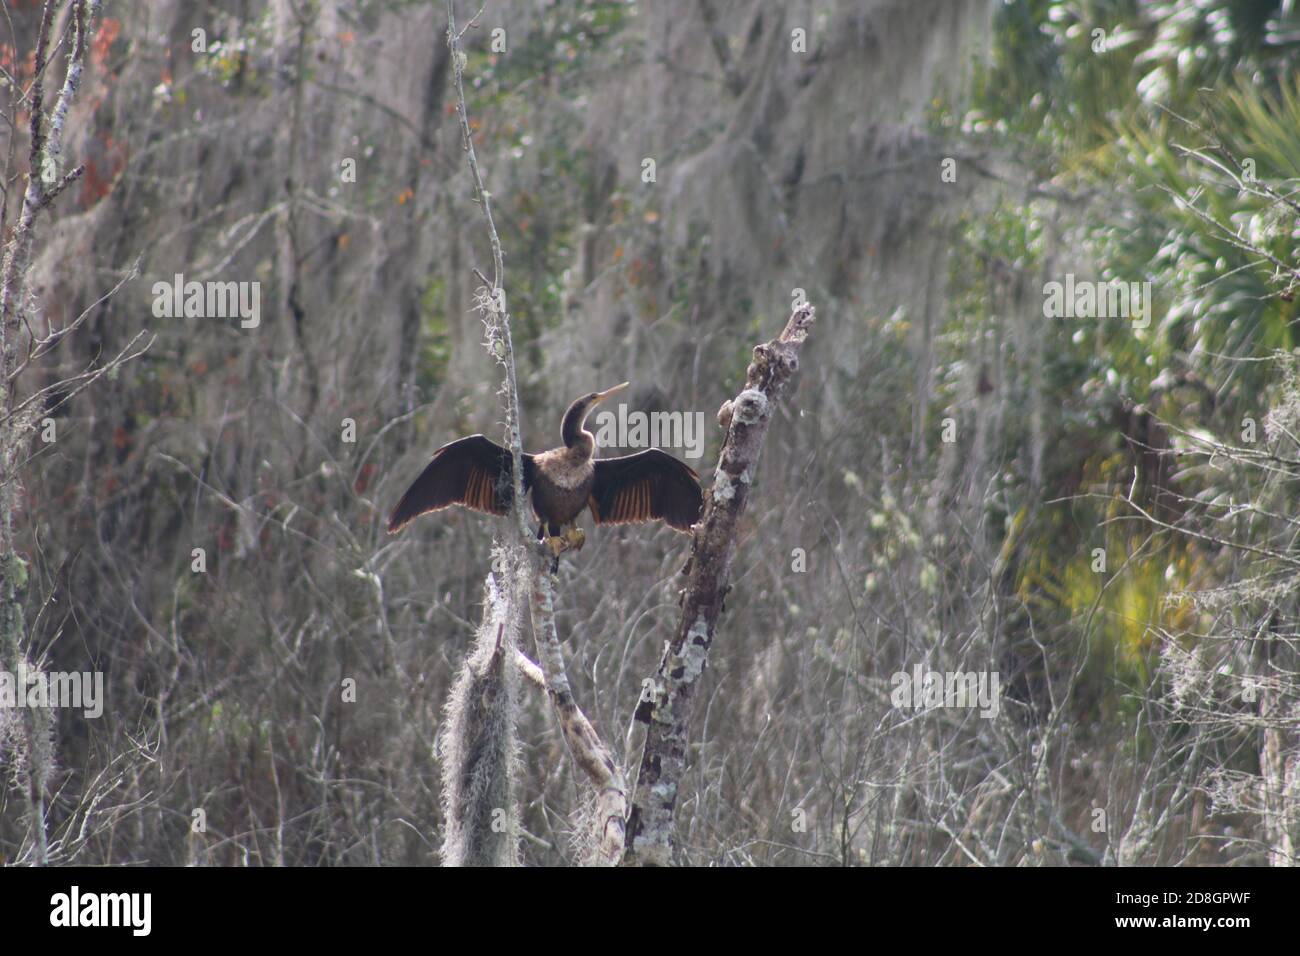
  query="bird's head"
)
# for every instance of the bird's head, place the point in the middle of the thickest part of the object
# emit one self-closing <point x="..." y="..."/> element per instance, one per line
<point x="575" y="436"/>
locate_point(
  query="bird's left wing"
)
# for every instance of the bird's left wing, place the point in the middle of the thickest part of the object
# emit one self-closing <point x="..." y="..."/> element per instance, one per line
<point x="474" y="472"/>
<point x="648" y="486"/>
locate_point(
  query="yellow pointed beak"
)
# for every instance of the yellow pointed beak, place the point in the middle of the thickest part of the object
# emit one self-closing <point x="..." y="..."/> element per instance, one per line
<point x="601" y="396"/>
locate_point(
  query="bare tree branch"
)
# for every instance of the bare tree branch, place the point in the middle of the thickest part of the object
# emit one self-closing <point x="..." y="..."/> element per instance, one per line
<point x="42" y="187"/>
<point x="663" y="759"/>
<point x="588" y="750"/>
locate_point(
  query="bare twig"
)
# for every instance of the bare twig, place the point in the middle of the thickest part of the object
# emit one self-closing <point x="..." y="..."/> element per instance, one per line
<point x="41" y="189"/>
<point x="588" y="750"/>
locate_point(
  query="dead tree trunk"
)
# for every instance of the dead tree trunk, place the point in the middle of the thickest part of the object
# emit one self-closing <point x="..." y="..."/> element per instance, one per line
<point x="44" y="184"/>
<point x="526" y="575"/>
<point x="1279" y="755"/>
<point x="649" y="838"/>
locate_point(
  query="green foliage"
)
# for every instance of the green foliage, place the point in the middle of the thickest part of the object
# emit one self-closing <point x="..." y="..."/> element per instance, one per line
<point x="1197" y="214"/>
<point x="539" y="223"/>
<point x="435" y="342"/>
<point x="540" y="228"/>
<point x="564" y="41"/>
<point x="15" y="571"/>
<point x="234" y="61"/>
<point x="1146" y="127"/>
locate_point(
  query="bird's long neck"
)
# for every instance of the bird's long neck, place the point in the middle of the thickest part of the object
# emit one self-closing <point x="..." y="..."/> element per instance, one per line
<point x="577" y="438"/>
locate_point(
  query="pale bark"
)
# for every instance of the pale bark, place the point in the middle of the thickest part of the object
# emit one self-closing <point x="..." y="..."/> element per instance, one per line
<point x="651" y="824"/>
<point x="1278" y="762"/>
<point x="528" y="564"/>
<point x="43" y="185"/>
<point x="588" y="750"/>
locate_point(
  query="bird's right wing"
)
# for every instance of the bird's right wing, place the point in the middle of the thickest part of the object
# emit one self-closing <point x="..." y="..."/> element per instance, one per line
<point x="474" y="472"/>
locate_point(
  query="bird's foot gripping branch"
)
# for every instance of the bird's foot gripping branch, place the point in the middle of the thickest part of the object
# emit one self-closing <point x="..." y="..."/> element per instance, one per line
<point x="572" y="538"/>
<point x="649" y="831"/>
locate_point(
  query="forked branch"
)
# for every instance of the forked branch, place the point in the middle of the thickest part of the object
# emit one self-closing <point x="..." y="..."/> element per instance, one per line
<point x="588" y="750"/>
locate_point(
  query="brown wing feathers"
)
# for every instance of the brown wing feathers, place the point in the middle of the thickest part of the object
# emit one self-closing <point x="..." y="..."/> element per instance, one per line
<point x="648" y="486"/>
<point x="474" y="472"/>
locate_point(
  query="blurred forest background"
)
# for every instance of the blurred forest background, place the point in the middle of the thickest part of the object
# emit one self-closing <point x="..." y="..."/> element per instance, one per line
<point x="1111" y="527"/>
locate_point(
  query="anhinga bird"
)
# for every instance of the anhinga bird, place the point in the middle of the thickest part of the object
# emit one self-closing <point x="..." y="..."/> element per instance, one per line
<point x="476" y="472"/>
